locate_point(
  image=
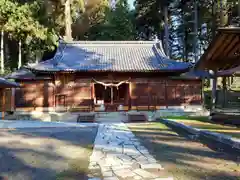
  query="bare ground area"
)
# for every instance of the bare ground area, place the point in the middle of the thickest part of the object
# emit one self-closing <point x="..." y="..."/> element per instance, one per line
<point x="46" y="153"/>
<point x="186" y="159"/>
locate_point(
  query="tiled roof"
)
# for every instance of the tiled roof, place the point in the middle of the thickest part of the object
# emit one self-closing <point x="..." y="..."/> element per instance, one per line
<point x="21" y="74"/>
<point x="7" y="84"/>
<point x="24" y="73"/>
<point x="115" y="56"/>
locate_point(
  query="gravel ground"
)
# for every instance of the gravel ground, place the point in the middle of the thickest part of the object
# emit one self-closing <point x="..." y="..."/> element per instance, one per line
<point x="46" y="153"/>
<point x="186" y="159"/>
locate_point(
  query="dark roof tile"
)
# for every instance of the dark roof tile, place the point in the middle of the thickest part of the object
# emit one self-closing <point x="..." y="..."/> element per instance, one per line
<point x="116" y="56"/>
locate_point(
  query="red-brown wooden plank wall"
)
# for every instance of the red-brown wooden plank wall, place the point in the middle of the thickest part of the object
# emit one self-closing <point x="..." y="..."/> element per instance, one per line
<point x="161" y="93"/>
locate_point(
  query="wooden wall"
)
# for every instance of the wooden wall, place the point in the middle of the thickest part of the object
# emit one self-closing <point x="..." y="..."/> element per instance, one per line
<point x="78" y="91"/>
<point x="166" y="92"/>
<point x="9" y="104"/>
<point x="35" y="94"/>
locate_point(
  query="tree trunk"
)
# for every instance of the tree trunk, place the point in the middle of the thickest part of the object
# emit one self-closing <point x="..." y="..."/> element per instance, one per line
<point x="195" y="31"/>
<point x="166" y="30"/>
<point x="214" y="23"/>
<point x="38" y="56"/>
<point x="19" y="54"/>
<point x="223" y="13"/>
<point x="68" y="21"/>
<point x="239" y="8"/>
<point x="2" y="52"/>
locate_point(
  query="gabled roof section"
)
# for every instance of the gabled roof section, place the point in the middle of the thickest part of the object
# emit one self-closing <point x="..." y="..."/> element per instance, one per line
<point x="7" y="84"/>
<point x="223" y="52"/>
<point x="25" y="74"/>
<point x="21" y="74"/>
<point x="110" y="56"/>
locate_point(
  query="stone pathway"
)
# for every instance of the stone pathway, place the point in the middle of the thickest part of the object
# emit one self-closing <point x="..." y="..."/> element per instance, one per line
<point x="119" y="155"/>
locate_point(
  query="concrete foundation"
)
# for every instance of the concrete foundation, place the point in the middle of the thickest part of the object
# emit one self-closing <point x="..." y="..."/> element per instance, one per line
<point x="72" y="117"/>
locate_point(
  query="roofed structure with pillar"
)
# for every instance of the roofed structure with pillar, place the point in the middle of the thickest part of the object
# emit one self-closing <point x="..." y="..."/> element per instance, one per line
<point x="222" y="58"/>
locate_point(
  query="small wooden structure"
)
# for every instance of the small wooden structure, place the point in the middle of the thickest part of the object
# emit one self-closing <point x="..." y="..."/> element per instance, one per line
<point x="7" y="96"/>
<point x="222" y="58"/>
<point x="83" y="75"/>
<point x="223" y="53"/>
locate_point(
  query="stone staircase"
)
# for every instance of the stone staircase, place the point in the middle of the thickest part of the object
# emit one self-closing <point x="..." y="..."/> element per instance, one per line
<point x="110" y="117"/>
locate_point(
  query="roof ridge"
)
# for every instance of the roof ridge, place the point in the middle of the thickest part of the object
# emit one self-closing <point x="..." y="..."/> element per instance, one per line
<point x="108" y="42"/>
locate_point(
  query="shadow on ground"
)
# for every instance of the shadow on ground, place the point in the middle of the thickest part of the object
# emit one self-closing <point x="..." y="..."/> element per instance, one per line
<point x="46" y="153"/>
<point x="184" y="158"/>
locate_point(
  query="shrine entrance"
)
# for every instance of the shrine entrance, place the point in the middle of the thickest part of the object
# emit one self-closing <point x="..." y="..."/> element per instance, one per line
<point x="111" y="96"/>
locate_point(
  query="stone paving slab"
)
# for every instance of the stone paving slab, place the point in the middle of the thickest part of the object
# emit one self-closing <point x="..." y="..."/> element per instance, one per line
<point x="121" y="156"/>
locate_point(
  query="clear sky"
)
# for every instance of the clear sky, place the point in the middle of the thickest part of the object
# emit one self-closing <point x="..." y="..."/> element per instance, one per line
<point x="131" y="3"/>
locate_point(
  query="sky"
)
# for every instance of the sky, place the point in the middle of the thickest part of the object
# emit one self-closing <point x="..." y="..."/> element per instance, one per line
<point x="131" y="3"/>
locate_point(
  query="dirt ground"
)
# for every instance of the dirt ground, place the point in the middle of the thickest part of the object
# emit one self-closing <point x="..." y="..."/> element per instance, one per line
<point x="186" y="159"/>
<point x="46" y="153"/>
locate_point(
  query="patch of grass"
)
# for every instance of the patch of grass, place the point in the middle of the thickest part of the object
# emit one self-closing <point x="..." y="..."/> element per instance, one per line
<point x="148" y="126"/>
<point x="199" y="118"/>
<point x="202" y="122"/>
<point x="77" y="168"/>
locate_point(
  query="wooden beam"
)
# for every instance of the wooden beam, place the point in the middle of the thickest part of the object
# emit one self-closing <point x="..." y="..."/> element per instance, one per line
<point x="228" y="63"/>
<point x="3" y="103"/>
<point x="233" y="43"/>
<point x="223" y="63"/>
<point x="223" y="45"/>
<point x="212" y="50"/>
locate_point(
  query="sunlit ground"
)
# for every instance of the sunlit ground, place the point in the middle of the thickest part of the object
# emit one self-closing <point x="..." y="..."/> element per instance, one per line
<point x="183" y="158"/>
<point x="203" y="124"/>
<point x="46" y="153"/>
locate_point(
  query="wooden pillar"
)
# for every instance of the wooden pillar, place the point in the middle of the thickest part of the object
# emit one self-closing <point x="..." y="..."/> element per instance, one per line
<point x="111" y="95"/>
<point x="166" y="94"/>
<point x="93" y="91"/>
<point x="130" y="96"/>
<point x="214" y="91"/>
<point x="3" y="103"/>
<point x="224" y="91"/>
<point x="12" y="99"/>
<point x="202" y="93"/>
<point x="93" y="96"/>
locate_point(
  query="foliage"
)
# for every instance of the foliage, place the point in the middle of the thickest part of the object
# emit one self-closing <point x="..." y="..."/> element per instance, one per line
<point x="149" y="18"/>
<point x="39" y="23"/>
<point x="117" y="24"/>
